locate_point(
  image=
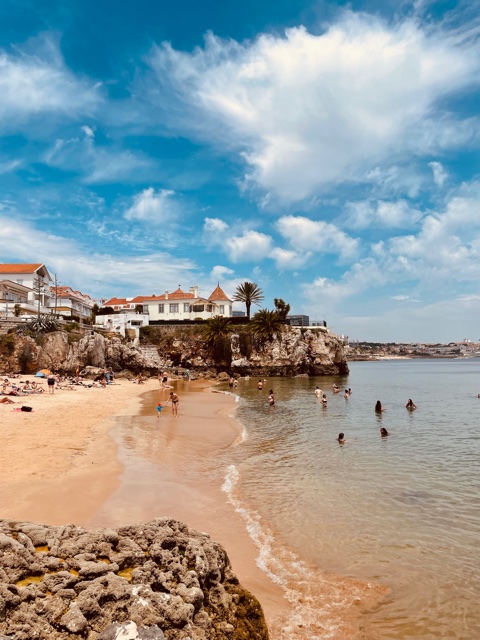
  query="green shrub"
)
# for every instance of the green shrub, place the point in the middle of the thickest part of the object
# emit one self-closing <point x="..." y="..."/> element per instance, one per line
<point x="7" y="344"/>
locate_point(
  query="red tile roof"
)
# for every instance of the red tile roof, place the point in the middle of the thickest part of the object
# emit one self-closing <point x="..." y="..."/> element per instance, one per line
<point x="19" y="268"/>
<point x="117" y="301"/>
<point x="218" y="294"/>
<point x="175" y="295"/>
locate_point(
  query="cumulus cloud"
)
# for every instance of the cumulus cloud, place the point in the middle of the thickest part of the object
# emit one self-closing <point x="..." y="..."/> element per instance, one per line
<point x="214" y="226"/>
<point x="287" y="260"/>
<point x="399" y="214"/>
<point x="34" y="81"/>
<point x="251" y="246"/>
<point x="304" y="234"/>
<point x="153" y="206"/>
<point x="308" y="110"/>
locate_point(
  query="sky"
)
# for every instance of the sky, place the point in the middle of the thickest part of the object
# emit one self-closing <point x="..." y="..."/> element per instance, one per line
<point x="328" y="152"/>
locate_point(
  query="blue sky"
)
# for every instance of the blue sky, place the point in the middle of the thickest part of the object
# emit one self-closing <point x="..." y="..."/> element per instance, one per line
<point x="328" y="152"/>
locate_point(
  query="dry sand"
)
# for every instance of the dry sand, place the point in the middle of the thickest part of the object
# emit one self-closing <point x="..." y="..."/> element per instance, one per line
<point x="60" y="464"/>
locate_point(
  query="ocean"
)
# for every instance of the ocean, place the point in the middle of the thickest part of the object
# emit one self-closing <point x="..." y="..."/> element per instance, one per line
<point x="383" y="532"/>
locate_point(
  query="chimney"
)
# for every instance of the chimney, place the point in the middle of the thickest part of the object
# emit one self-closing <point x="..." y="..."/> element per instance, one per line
<point x="166" y="294"/>
<point x="194" y="290"/>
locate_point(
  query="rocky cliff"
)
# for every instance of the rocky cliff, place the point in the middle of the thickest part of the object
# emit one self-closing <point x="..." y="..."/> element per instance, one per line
<point x="295" y="351"/>
<point x="160" y="581"/>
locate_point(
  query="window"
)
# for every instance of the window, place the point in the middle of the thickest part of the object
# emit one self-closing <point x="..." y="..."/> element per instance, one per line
<point x="174" y="308"/>
<point x="19" y="281"/>
<point x="186" y="307"/>
<point x="222" y="308"/>
<point x="197" y="308"/>
<point x="209" y="307"/>
<point x="145" y="308"/>
<point x="161" y="308"/>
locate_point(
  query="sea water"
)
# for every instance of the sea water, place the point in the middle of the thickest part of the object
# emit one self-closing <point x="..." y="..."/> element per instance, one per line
<point x="332" y="521"/>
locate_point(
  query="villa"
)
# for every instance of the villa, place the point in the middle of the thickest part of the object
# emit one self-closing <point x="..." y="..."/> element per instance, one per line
<point x="177" y="305"/>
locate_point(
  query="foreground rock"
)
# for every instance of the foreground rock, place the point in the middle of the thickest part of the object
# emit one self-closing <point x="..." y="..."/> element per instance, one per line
<point x="153" y="581"/>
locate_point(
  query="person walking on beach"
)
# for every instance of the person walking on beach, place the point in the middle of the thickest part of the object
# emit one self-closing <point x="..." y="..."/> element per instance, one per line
<point x="51" y="384"/>
<point x="175" y="400"/>
<point x="378" y="407"/>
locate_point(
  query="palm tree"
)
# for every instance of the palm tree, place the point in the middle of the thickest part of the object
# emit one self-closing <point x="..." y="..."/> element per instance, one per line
<point x="282" y="308"/>
<point x="217" y="327"/>
<point x="249" y="293"/>
<point x="265" y="324"/>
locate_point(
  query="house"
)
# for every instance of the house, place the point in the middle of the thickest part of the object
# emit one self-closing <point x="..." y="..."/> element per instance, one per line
<point x="126" y="304"/>
<point x="124" y="323"/>
<point x="11" y="294"/>
<point x="67" y="302"/>
<point x="183" y="305"/>
<point x="35" y="279"/>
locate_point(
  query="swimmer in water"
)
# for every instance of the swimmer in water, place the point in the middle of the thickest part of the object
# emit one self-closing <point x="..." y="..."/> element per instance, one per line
<point x="318" y="392"/>
<point x="410" y="405"/>
<point x="384" y="432"/>
<point x="341" y="438"/>
<point x="378" y="407"/>
<point x="324" y="400"/>
<point x="271" y="398"/>
<point x="346" y="394"/>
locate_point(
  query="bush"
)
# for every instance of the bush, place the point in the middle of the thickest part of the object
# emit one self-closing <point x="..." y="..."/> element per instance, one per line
<point x="70" y="326"/>
<point x="7" y="344"/>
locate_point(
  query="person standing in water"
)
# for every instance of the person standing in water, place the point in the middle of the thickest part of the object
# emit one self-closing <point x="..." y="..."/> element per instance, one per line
<point x="175" y="400"/>
<point x="378" y="407"/>
<point x="383" y="432"/>
<point x="271" y="398"/>
<point x="410" y="405"/>
<point x="260" y="385"/>
<point x="324" y="401"/>
<point x="341" y="438"/>
<point x="318" y="392"/>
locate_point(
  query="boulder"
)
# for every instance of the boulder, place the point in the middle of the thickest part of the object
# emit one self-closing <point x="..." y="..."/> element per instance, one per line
<point x="155" y="581"/>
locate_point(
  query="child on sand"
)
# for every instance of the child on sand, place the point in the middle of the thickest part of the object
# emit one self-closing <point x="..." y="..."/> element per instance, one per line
<point x="159" y="409"/>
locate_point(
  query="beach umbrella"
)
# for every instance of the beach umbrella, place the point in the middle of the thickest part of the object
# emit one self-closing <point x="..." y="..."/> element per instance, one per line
<point x="45" y="371"/>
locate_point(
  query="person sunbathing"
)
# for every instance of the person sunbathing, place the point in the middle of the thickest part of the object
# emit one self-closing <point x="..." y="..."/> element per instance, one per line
<point x="6" y="401"/>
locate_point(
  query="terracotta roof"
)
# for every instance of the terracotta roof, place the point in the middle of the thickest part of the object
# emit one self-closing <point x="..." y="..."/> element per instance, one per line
<point x="218" y="294"/>
<point x="136" y="300"/>
<point x="19" y="268"/>
<point x="68" y="291"/>
<point x="175" y="295"/>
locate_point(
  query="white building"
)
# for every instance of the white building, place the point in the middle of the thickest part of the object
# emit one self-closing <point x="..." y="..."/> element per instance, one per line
<point x="67" y="302"/>
<point x="183" y="305"/>
<point x="122" y="322"/>
<point x="35" y="280"/>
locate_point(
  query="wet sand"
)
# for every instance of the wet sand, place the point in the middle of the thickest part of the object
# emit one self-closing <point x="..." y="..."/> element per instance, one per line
<point x="60" y="464"/>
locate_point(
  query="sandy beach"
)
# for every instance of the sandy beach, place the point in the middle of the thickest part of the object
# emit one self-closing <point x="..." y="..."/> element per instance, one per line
<point x="62" y="464"/>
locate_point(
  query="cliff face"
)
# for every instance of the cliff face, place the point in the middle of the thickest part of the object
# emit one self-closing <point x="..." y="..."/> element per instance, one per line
<point x="160" y="581"/>
<point x="295" y="351"/>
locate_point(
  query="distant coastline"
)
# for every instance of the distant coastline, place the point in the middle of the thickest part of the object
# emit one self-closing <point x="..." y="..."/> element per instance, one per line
<point x="374" y="351"/>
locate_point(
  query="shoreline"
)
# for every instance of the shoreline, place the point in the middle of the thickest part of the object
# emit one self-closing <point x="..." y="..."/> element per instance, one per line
<point x="60" y="464"/>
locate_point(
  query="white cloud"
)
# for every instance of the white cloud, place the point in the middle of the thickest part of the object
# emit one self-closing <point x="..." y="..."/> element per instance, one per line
<point x="399" y="214"/>
<point x="287" y="260"/>
<point x="88" y="131"/>
<point x="11" y="165"/>
<point x="34" y="81"/>
<point x="214" y="226"/>
<point x="218" y="272"/>
<point x="153" y="206"/>
<point x="439" y="173"/>
<point x="252" y="246"/>
<point x="92" y="272"/>
<point x="304" y="234"/>
<point x="310" y="110"/>
<point x="97" y="164"/>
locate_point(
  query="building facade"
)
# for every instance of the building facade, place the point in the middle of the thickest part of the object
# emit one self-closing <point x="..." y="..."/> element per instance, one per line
<point x="35" y="280"/>
<point x="176" y="305"/>
<point x="69" y="303"/>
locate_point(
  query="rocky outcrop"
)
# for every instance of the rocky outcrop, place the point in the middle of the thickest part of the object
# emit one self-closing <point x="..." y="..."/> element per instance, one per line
<point x="158" y="580"/>
<point x="295" y="351"/>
